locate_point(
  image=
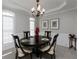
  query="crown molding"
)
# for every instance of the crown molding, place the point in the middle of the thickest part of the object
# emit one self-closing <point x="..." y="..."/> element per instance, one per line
<point x="61" y="11"/>
<point x="57" y="8"/>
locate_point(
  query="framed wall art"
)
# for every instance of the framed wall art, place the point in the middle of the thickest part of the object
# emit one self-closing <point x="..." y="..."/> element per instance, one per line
<point x="44" y="24"/>
<point x="54" y="23"/>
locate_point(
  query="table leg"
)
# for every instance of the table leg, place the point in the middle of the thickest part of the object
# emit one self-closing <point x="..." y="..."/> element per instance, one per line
<point x="36" y="51"/>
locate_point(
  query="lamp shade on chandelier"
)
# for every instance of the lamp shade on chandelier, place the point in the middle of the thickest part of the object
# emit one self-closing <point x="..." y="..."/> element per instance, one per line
<point x="38" y="11"/>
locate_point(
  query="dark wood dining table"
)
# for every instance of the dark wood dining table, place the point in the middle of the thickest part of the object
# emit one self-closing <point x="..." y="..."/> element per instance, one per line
<point x="30" y="42"/>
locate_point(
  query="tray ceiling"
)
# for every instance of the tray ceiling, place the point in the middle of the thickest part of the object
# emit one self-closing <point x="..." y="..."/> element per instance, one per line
<point x="49" y="5"/>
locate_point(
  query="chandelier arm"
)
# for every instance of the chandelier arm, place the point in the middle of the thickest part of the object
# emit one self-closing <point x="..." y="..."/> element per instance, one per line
<point x="37" y="5"/>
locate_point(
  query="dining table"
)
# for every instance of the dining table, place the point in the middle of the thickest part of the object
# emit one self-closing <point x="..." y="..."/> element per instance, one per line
<point x="35" y="46"/>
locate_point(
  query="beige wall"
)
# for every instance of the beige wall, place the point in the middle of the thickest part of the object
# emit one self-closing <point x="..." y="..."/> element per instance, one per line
<point x="67" y="22"/>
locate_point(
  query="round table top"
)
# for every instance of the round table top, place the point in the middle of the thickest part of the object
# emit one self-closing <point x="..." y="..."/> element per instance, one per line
<point x="31" y="41"/>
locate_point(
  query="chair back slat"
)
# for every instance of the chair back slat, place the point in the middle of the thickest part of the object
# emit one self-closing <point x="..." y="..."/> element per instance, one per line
<point x="17" y="43"/>
<point x="26" y="34"/>
<point x="54" y="39"/>
<point x="48" y="33"/>
<point x="53" y="43"/>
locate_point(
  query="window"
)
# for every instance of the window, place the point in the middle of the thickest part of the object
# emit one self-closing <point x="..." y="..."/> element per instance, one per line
<point x="32" y="25"/>
<point x="8" y="26"/>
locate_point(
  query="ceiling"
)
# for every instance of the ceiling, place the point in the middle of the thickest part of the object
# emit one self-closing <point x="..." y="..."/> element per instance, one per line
<point x="49" y="5"/>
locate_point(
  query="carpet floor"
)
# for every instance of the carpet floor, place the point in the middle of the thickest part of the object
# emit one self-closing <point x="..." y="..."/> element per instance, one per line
<point x="61" y="53"/>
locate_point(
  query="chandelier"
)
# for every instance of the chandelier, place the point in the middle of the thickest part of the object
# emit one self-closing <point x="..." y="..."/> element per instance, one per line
<point x="37" y="11"/>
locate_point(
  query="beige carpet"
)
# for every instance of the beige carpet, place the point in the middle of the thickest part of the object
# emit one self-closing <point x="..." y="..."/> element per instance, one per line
<point x="61" y="53"/>
<point x="65" y="53"/>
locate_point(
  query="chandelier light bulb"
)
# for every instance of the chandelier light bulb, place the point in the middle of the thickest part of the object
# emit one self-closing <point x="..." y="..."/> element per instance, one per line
<point x="38" y="8"/>
<point x="33" y="9"/>
<point x="43" y="10"/>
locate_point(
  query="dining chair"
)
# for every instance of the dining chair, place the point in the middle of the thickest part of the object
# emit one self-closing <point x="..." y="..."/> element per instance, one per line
<point x="48" y="34"/>
<point x="26" y="34"/>
<point x="20" y="51"/>
<point x="50" y="49"/>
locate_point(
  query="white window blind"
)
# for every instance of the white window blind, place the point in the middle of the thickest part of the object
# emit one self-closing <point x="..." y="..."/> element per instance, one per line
<point x="8" y="26"/>
<point x="32" y="26"/>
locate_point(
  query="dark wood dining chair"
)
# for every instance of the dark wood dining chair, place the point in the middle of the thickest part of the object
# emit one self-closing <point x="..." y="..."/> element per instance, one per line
<point x="48" y="34"/>
<point x="20" y="51"/>
<point x="26" y="34"/>
<point x="50" y="49"/>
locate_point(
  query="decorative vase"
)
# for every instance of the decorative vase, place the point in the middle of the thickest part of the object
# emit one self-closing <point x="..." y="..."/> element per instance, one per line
<point x="37" y="34"/>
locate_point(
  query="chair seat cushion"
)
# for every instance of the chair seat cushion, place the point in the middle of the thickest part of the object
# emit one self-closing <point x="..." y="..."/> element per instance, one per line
<point x="45" y="39"/>
<point x="51" y="51"/>
<point x="21" y="54"/>
<point x="27" y="51"/>
<point x="45" y="48"/>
